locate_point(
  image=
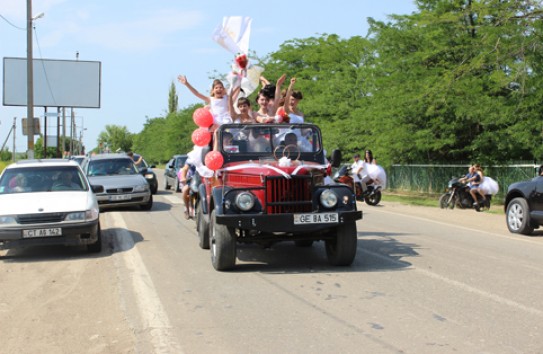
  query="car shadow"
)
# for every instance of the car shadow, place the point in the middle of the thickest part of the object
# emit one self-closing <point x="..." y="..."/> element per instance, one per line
<point x="383" y="254"/>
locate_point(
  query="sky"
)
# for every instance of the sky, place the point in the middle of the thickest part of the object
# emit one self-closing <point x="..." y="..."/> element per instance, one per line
<point x="144" y="45"/>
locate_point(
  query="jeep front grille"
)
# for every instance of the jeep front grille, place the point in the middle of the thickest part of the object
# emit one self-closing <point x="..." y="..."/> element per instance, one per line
<point x="292" y="195"/>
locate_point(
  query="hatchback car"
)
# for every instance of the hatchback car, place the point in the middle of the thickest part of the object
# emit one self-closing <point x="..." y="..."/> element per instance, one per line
<point x="122" y="182"/>
<point x="524" y="206"/>
<point x="45" y="202"/>
<point x="172" y="169"/>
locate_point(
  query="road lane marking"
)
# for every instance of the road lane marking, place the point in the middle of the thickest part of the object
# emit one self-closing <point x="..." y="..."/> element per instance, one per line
<point x="153" y="315"/>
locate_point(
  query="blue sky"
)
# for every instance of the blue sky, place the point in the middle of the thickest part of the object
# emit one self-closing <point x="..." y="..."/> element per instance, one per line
<point x="144" y="45"/>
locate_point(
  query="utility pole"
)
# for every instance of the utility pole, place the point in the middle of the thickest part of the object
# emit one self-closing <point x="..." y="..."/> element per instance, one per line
<point x="13" y="158"/>
<point x="29" y="82"/>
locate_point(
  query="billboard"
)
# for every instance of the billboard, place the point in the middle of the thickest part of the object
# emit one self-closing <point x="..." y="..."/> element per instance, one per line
<point x="57" y="83"/>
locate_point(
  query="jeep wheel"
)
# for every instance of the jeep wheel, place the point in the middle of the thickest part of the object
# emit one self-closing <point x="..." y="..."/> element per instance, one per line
<point x="97" y="246"/>
<point x="202" y="226"/>
<point x="518" y="217"/>
<point x="341" y="250"/>
<point x="223" y="245"/>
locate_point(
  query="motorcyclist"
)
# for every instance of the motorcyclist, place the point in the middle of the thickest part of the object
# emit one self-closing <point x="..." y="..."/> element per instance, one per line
<point x="356" y="169"/>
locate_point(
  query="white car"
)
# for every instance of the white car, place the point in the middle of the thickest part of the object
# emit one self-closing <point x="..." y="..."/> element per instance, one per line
<point x="50" y="201"/>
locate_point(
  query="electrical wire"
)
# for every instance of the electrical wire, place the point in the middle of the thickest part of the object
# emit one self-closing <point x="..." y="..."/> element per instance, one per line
<point x="43" y="65"/>
<point x="11" y="24"/>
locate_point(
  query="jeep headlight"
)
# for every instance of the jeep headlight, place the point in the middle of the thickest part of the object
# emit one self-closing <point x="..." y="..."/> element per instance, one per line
<point x="149" y="176"/>
<point x="328" y="198"/>
<point x="245" y="201"/>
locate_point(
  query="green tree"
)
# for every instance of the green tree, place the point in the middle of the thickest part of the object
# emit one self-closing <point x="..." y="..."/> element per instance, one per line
<point x="172" y="99"/>
<point x="115" y="138"/>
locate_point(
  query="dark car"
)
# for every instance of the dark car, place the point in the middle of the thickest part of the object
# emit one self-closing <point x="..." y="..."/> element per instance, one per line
<point x="147" y="171"/>
<point x="170" y="171"/>
<point x="524" y="206"/>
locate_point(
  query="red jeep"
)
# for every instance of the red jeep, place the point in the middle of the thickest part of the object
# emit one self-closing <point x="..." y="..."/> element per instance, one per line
<point x="270" y="188"/>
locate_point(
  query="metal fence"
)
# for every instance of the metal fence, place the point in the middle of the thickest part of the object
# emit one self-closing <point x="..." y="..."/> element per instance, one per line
<point x="433" y="179"/>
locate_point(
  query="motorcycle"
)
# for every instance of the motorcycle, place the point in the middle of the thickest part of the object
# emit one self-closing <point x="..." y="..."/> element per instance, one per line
<point x="372" y="194"/>
<point x="457" y="195"/>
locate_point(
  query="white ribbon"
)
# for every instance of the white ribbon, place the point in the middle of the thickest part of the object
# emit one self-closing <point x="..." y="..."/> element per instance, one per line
<point x="255" y="165"/>
<point x="309" y="167"/>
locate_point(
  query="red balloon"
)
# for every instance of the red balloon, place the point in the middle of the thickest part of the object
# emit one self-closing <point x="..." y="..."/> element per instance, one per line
<point x="201" y="137"/>
<point x="214" y="160"/>
<point x="202" y="117"/>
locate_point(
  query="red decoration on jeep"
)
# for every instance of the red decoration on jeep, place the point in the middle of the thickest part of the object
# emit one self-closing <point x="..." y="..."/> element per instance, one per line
<point x="201" y="137"/>
<point x="214" y="160"/>
<point x="202" y="117"/>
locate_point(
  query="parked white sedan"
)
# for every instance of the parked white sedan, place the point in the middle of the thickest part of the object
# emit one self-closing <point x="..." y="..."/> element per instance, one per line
<point x="48" y="201"/>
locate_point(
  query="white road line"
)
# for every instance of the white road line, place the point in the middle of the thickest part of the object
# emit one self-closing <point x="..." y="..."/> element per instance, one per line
<point x="153" y="315"/>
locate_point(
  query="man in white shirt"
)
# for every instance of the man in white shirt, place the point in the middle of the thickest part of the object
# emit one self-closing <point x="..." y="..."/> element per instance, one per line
<point x="356" y="169"/>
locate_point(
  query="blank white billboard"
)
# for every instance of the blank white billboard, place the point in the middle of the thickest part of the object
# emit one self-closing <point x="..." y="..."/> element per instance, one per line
<point x="57" y="83"/>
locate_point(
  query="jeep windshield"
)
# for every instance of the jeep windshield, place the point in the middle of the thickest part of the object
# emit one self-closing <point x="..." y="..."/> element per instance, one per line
<point x="253" y="141"/>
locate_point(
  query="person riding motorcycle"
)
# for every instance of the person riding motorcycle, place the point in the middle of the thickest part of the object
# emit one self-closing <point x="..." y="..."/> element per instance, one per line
<point x="356" y="169"/>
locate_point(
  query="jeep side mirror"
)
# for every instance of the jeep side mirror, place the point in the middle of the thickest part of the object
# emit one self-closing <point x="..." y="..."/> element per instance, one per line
<point x="335" y="159"/>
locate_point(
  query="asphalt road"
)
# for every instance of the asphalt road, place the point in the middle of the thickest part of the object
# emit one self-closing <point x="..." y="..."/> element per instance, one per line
<point x="425" y="280"/>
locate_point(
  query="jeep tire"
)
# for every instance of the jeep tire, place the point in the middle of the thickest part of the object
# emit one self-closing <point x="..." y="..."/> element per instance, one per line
<point x="222" y="245"/>
<point x="202" y="226"/>
<point x="341" y="250"/>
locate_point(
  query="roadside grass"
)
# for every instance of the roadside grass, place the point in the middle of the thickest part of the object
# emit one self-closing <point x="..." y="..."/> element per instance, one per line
<point x="428" y="200"/>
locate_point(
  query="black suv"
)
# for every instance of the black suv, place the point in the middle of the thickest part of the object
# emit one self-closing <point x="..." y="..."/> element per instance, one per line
<point x="524" y="206"/>
<point x="170" y="171"/>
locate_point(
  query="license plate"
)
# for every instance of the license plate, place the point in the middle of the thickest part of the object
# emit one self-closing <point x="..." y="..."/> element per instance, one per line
<point x="322" y="218"/>
<point x="42" y="232"/>
<point x="120" y="197"/>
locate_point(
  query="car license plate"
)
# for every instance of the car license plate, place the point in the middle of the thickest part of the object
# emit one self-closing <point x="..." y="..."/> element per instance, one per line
<point x="120" y="197"/>
<point x="322" y="218"/>
<point x="42" y="232"/>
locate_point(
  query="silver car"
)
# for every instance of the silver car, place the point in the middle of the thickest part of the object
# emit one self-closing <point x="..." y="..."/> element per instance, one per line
<point x="123" y="184"/>
<point x="45" y="202"/>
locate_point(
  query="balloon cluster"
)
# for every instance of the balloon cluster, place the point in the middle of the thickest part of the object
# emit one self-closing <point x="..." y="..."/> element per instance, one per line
<point x="202" y="137"/>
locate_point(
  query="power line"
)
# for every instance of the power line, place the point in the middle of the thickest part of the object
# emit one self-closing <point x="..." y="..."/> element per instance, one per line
<point x="43" y="65"/>
<point x="11" y="24"/>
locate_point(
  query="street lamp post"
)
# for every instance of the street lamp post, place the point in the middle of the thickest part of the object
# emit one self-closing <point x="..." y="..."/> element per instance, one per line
<point x="30" y="79"/>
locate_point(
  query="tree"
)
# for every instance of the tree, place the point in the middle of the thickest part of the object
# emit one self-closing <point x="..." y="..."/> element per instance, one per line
<point x="172" y="99"/>
<point x="115" y="138"/>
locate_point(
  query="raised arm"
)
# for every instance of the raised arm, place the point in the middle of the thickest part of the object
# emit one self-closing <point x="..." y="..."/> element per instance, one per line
<point x="231" y="97"/>
<point x="183" y="79"/>
<point x="277" y="95"/>
<point x="288" y="94"/>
